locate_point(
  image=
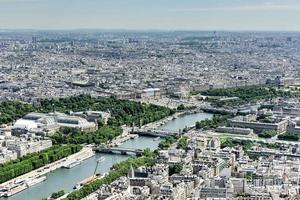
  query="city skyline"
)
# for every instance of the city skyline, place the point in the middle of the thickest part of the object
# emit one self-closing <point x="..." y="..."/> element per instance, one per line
<point x="232" y="15"/>
<point x="149" y="99"/>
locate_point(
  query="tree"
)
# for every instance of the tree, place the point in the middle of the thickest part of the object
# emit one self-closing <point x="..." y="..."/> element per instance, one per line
<point x="181" y="107"/>
<point x="183" y="143"/>
<point x="175" y="169"/>
<point x="267" y="134"/>
<point x="166" y="143"/>
<point x="33" y="161"/>
<point x="289" y="136"/>
<point x="117" y="170"/>
<point x="56" y="195"/>
<point x="216" y="121"/>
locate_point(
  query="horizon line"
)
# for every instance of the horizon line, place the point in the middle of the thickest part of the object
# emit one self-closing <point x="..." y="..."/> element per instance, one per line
<point x="146" y="30"/>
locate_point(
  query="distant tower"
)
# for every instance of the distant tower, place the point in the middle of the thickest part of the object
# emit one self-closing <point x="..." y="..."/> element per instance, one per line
<point x="34" y="40"/>
<point x="73" y="43"/>
<point x="215" y="35"/>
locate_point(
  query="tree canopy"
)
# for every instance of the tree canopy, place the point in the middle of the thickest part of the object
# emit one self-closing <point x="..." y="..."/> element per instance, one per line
<point x="15" y="168"/>
<point x="122" y="111"/>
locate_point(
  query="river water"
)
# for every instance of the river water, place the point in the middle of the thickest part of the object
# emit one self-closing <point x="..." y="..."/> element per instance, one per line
<point x="65" y="179"/>
<point x="183" y="121"/>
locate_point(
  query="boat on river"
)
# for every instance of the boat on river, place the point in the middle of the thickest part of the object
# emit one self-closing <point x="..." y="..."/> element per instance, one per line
<point x="101" y="159"/>
<point x="34" y="181"/>
<point x="134" y="136"/>
<point x="73" y="164"/>
<point x="14" y="190"/>
<point x="88" y="180"/>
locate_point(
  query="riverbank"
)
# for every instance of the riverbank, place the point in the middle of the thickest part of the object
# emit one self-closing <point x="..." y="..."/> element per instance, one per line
<point x="183" y="117"/>
<point x="20" y="181"/>
<point x="157" y="124"/>
<point x="72" y="160"/>
<point x="125" y="136"/>
<point x="185" y="121"/>
<point x="66" y="179"/>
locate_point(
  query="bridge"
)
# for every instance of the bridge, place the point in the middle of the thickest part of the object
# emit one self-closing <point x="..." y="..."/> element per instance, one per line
<point x="119" y="150"/>
<point x="154" y="133"/>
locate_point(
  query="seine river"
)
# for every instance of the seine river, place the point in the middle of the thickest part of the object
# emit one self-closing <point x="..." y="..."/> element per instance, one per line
<point x="66" y="179"/>
<point x="185" y="120"/>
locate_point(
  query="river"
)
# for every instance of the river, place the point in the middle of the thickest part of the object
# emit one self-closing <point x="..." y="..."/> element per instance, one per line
<point x="65" y="179"/>
<point x="185" y="120"/>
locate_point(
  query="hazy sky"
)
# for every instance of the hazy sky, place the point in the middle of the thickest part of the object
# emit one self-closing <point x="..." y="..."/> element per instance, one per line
<point x="151" y="14"/>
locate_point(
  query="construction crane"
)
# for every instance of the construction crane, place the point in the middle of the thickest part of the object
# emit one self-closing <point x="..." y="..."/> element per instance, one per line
<point x="98" y="161"/>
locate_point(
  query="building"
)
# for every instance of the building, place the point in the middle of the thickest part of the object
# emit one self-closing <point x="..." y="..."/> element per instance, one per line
<point x="7" y="155"/>
<point x="284" y="81"/>
<point x="93" y="116"/>
<point x="150" y="93"/>
<point x="235" y="130"/>
<point x="242" y="122"/>
<point x="45" y="124"/>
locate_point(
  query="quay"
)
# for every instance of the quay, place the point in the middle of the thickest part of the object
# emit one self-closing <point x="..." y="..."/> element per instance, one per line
<point x="13" y="187"/>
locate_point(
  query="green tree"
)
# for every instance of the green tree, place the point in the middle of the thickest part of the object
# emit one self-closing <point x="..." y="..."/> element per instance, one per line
<point x="175" y="169"/>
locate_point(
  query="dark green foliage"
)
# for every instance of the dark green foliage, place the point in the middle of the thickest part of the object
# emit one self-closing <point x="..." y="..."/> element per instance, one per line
<point x="246" y="144"/>
<point x="289" y="136"/>
<point x="12" y="110"/>
<point x="102" y="135"/>
<point x="148" y="153"/>
<point x="122" y="111"/>
<point x="233" y="143"/>
<point x="183" y="143"/>
<point x="246" y="94"/>
<point x="118" y="170"/>
<point x="12" y="169"/>
<point x="166" y="143"/>
<point x="181" y="107"/>
<point x="175" y="169"/>
<point x="233" y="102"/>
<point x="272" y="145"/>
<point x="267" y="134"/>
<point x="216" y="121"/>
<point x="100" y="122"/>
<point x="58" y="194"/>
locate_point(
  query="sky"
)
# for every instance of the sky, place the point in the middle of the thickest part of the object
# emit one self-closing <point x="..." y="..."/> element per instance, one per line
<point x="231" y="15"/>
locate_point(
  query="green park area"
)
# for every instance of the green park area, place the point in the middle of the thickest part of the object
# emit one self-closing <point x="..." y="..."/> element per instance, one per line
<point x="68" y="141"/>
<point x="245" y="94"/>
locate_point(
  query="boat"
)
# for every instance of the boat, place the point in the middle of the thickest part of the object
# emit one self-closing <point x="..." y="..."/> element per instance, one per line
<point x="19" y="181"/>
<point x="35" y="181"/>
<point x="77" y="186"/>
<point x="101" y="159"/>
<point x="134" y="136"/>
<point x="89" y="179"/>
<point x="14" y="190"/>
<point x="73" y="164"/>
<point x="3" y="190"/>
<point x="157" y="138"/>
<point x="84" y="182"/>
